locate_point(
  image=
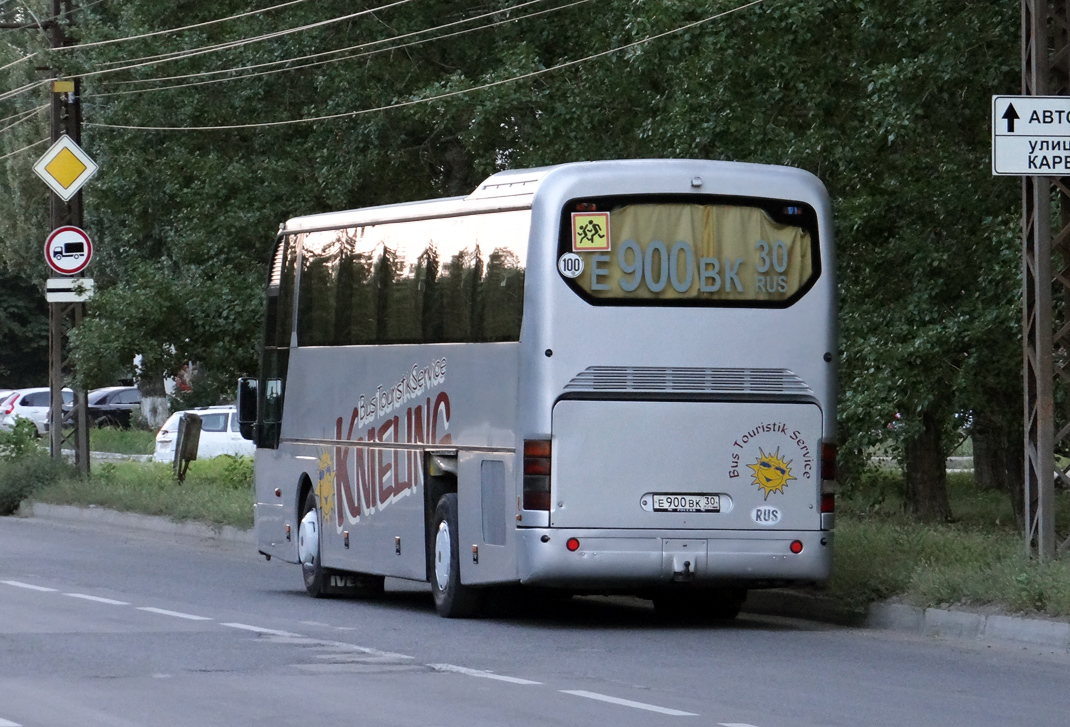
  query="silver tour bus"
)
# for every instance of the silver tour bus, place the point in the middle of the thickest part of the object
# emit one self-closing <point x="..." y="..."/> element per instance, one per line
<point x="601" y="377"/>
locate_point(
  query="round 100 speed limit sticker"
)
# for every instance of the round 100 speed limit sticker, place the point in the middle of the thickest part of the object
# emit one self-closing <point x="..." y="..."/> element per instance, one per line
<point x="570" y="265"/>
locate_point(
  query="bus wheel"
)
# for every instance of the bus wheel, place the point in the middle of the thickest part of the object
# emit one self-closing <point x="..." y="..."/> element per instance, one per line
<point x="452" y="599"/>
<point x="308" y="547"/>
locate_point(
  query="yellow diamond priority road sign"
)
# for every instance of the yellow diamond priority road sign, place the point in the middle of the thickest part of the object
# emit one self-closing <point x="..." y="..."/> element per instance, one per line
<point x="65" y="168"/>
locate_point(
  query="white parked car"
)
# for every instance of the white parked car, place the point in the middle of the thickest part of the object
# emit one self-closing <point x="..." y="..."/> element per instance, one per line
<point x="30" y="404"/>
<point x="219" y="435"/>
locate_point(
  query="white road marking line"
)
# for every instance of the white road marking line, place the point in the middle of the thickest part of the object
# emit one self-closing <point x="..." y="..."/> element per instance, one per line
<point x="20" y="584"/>
<point x="480" y="673"/>
<point x="258" y="630"/>
<point x="7" y="722"/>
<point x="97" y="599"/>
<point x="629" y="703"/>
<point x="176" y="614"/>
<point x="368" y="650"/>
<point x="313" y="623"/>
<point x="734" y="724"/>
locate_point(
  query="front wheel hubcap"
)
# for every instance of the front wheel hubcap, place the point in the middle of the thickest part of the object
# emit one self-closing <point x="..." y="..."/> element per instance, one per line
<point x="308" y="538"/>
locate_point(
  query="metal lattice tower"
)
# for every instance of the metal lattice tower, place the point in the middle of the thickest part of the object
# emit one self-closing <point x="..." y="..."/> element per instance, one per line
<point x="1046" y="294"/>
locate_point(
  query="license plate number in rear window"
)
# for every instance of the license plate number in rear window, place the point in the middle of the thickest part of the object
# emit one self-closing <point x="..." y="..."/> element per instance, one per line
<point x="682" y="502"/>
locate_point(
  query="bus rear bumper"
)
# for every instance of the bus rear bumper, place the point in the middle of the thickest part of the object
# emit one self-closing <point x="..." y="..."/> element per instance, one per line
<point x="649" y="559"/>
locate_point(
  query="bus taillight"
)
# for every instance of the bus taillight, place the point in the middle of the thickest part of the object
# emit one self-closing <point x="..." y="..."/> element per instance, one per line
<point x="828" y="502"/>
<point x="537" y="474"/>
<point x="829" y="450"/>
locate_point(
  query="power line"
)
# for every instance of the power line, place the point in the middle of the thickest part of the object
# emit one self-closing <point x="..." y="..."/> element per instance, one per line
<point x="25" y="148"/>
<point x="182" y="55"/>
<point x="182" y="29"/>
<point x="20" y="60"/>
<point x="24" y="113"/>
<point x="329" y="52"/>
<point x="439" y="97"/>
<point x="401" y="46"/>
<point x="26" y="117"/>
<point x="23" y="89"/>
<point x="32" y="25"/>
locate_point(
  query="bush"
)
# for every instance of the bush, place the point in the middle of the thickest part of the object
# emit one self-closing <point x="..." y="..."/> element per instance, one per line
<point x="20" y="441"/>
<point x="237" y="472"/>
<point x="22" y="477"/>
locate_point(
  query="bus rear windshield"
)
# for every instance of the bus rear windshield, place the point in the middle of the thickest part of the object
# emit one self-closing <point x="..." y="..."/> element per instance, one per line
<point x="689" y="251"/>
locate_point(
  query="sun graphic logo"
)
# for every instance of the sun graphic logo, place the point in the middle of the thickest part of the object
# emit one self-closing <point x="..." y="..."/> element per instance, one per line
<point x="771" y="472"/>
<point x="325" y="486"/>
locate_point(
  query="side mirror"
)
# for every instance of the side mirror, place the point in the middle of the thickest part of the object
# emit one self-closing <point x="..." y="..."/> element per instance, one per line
<point x="247" y="407"/>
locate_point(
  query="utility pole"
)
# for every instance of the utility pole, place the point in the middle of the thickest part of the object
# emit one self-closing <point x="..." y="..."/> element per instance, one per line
<point x="66" y="103"/>
<point x="1045" y="340"/>
<point x="62" y="317"/>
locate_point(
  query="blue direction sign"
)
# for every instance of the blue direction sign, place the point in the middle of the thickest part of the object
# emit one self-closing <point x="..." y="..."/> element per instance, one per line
<point x="1031" y="136"/>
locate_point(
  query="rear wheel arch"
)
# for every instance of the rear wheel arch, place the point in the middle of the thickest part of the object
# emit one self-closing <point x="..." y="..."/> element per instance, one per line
<point x="435" y="486"/>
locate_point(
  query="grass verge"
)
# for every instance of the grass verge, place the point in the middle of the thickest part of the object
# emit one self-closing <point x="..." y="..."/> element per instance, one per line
<point x="121" y="441"/>
<point x="978" y="560"/>
<point x="217" y="491"/>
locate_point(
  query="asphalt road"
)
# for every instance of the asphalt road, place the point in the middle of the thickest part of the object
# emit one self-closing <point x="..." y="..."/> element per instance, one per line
<point x="104" y="627"/>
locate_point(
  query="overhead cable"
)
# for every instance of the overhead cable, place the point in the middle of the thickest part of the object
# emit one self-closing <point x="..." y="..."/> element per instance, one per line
<point x="439" y="97"/>
<point x="23" y="89"/>
<point x="401" y="46"/>
<point x="27" y="112"/>
<point x="25" y="117"/>
<point x="20" y="60"/>
<point x="65" y="12"/>
<point x="229" y="45"/>
<point x="178" y="30"/>
<point x="330" y="52"/>
<point x="25" y="148"/>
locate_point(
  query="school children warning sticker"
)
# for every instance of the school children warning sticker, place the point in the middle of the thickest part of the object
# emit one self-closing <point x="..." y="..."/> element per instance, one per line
<point x="590" y="232"/>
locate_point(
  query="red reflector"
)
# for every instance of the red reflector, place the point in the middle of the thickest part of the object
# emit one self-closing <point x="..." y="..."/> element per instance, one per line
<point x="537" y="448"/>
<point x="828" y="502"/>
<point x="829" y="450"/>
<point x="572" y="544"/>
<point x="796" y="546"/>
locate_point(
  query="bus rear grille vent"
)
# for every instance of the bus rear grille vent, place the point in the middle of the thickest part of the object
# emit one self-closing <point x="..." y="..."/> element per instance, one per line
<point x="693" y="380"/>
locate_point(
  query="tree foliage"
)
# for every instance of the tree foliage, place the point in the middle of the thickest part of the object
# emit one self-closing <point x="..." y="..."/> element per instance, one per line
<point x="886" y="101"/>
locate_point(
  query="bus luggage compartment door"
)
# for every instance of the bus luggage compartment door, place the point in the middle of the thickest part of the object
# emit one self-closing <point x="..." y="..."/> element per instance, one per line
<point x="686" y="465"/>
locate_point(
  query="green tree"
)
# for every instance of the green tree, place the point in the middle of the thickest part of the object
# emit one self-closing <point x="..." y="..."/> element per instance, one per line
<point x="885" y="101"/>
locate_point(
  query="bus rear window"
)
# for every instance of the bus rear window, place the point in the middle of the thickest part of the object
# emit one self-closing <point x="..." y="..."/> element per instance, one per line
<point x="689" y="251"/>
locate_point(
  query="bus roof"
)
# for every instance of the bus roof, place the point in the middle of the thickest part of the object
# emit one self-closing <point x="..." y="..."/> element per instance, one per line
<point x="515" y="189"/>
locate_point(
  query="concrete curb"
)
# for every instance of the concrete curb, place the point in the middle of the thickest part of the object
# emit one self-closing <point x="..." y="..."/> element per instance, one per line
<point x="110" y="456"/>
<point x="150" y="523"/>
<point x="970" y="625"/>
<point x="932" y="622"/>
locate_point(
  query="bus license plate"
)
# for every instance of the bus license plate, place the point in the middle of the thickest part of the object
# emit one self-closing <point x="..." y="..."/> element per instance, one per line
<point x="687" y="503"/>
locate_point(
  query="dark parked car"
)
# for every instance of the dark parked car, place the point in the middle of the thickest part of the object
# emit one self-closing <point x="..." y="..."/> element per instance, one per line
<point x="111" y="406"/>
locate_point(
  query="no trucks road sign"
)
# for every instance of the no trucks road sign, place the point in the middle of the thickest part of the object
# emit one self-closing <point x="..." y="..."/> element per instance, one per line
<point x="68" y="250"/>
<point x="1031" y="135"/>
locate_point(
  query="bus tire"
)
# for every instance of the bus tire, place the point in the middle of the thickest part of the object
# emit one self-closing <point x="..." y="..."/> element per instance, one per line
<point x="452" y="598"/>
<point x="308" y="547"/>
